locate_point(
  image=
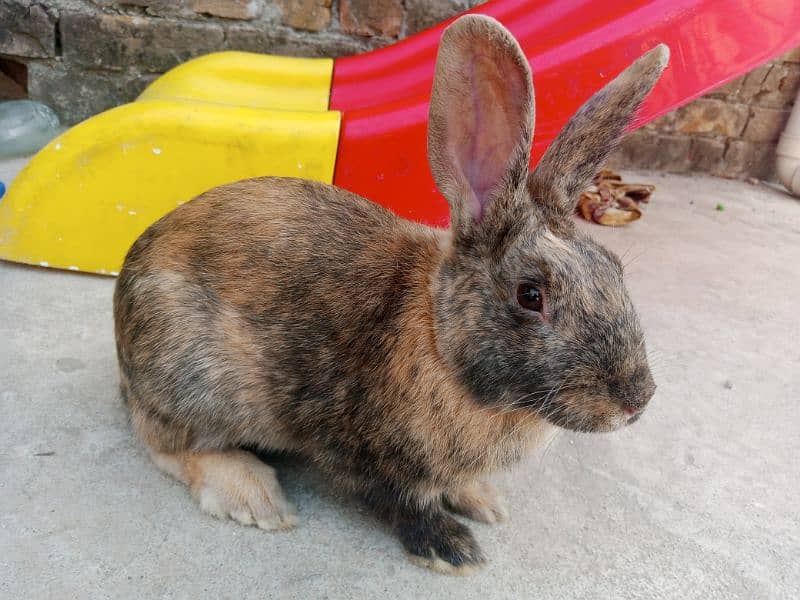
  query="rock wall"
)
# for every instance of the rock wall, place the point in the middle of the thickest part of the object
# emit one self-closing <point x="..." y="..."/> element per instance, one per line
<point x="731" y="131"/>
<point x="85" y="56"/>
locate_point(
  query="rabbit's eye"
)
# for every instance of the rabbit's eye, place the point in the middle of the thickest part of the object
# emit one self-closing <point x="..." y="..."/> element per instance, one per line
<point x="529" y="297"/>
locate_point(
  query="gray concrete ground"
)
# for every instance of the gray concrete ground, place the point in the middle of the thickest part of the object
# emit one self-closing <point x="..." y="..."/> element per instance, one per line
<point x="697" y="500"/>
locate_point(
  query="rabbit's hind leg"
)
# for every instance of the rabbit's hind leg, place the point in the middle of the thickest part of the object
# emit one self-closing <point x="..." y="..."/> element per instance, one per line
<point x="231" y="484"/>
<point x="228" y="483"/>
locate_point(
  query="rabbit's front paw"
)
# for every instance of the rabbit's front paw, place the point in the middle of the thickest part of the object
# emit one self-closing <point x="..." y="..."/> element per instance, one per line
<point x="479" y="500"/>
<point x="437" y="541"/>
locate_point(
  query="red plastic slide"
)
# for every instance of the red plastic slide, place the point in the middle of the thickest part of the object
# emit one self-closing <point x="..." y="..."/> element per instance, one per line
<point x="574" y="47"/>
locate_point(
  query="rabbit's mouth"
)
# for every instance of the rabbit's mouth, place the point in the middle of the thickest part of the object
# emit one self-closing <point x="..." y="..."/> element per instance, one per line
<point x="630" y="420"/>
<point x="589" y="413"/>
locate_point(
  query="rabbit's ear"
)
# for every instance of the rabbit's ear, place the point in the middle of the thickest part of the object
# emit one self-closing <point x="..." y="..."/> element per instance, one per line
<point x="481" y="119"/>
<point x="588" y="138"/>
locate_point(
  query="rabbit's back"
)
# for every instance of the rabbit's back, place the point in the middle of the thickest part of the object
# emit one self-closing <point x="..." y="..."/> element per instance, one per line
<point x="237" y="306"/>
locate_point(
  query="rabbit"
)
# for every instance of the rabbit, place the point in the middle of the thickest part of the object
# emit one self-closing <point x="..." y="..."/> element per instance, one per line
<point x="407" y="363"/>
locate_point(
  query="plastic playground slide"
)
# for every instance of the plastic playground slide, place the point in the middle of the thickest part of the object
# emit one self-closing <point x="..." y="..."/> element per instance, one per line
<point x="358" y="122"/>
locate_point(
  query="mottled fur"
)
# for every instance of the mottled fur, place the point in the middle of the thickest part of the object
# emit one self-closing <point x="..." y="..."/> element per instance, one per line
<point x="291" y="315"/>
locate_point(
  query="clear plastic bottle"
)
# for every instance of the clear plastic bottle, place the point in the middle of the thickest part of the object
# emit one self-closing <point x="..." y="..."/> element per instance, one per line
<point x="25" y="127"/>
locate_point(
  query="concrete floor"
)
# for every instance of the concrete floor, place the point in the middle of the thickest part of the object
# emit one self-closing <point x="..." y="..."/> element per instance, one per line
<point x="697" y="500"/>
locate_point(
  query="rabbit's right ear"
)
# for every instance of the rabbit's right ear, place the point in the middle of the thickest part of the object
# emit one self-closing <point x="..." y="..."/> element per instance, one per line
<point x="580" y="149"/>
<point x="481" y="121"/>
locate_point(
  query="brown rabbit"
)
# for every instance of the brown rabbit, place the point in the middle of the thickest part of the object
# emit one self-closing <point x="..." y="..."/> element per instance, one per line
<point x="406" y="362"/>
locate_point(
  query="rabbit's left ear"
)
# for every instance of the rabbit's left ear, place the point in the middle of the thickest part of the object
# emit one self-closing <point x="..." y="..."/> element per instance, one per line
<point x="588" y="138"/>
<point x="481" y="120"/>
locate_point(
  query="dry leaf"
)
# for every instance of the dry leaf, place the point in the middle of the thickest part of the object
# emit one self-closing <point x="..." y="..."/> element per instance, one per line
<point x="613" y="202"/>
<point x="614" y="217"/>
<point x="606" y="175"/>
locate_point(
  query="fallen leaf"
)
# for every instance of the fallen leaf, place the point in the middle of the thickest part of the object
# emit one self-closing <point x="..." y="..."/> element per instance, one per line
<point x="614" y="217"/>
<point x="606" y="175"/>
<point x="613" y="202"/>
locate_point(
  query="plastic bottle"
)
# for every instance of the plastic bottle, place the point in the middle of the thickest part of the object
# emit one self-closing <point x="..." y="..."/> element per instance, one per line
<point x="25" y="127"/>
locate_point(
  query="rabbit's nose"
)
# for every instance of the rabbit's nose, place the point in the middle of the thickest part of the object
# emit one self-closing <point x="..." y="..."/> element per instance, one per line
<point x="633" y="393"/>
<point x="646" y="391"/>
<point x="631" y="411"/>
<point x="632" y="414"/>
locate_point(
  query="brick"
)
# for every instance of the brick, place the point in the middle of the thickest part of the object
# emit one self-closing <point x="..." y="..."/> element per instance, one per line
<point x="664" y="124"/>
<point x="119" y="41"/>
<point x="310" y="15"/>
<point x="749" y="159"/>
<point x="705" y="155"/>
<point x="10" y="89"/>
<point x="774" y="78"/>
<point x="371" y="17"/>
<point x="140" y="3"/>
<point x="422" y="14"/>
<point x="647" y="150"/>
<point x="765" y="124"/>
<point x="780" y="87"/>
<point x="76" y="94"/>
<point x="27" y="29"/>
<point x="287" y="42"/>
<point x="730" y="89"/>
<point x="753" y="82"/>
<point x="228" y="9"/>
<point x="16" y="70"/>
<point x="158" y="8"/>
<point x="791" y="56"/>
<point x="713" y="116"/>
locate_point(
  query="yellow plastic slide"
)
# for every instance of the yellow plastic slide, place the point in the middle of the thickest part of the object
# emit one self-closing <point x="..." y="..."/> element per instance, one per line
<point x="82" y="200"/>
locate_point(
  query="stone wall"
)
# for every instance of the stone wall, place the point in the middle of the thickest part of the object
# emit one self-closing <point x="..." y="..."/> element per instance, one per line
<point x="85" y="56"/>
<point x="731" y="131"/>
